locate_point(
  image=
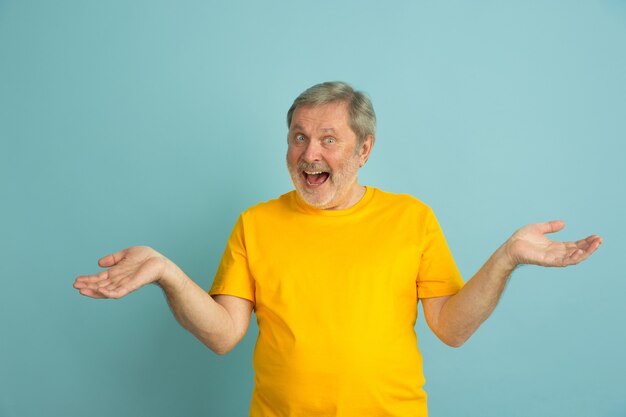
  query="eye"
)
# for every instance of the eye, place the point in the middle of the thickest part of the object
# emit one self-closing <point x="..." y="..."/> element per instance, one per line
<point x="299" y="138"/>
<point x="329" y="140"/>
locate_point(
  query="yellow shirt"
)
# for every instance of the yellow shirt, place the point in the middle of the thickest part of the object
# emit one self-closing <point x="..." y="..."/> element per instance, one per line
<point x="335" y="295"/>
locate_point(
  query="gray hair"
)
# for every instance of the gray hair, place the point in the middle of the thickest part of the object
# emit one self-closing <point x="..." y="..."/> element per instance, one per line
<point x="362" y="119"/>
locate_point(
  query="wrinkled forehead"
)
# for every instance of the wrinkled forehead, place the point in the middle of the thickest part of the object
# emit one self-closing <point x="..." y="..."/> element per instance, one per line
<point x="325" y="118"/>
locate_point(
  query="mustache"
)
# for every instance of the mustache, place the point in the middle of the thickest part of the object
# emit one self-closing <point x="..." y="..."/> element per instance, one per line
<point x="304" y="166"/>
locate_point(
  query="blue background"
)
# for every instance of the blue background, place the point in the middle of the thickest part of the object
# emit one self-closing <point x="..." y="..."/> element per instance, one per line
<point x="157" y="122"/>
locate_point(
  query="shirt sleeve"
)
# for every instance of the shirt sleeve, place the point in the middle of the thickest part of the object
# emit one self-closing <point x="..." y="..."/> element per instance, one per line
<point x="233" y="276"/>
<point x="438" y="275"/>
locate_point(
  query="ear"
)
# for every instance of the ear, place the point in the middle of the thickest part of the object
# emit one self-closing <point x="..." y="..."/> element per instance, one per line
<point x="366" y="148"/>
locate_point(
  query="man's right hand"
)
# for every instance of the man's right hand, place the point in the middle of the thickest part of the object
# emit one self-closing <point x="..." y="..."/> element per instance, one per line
<point x="127" y="271"/>
<point x="219" y="323"/>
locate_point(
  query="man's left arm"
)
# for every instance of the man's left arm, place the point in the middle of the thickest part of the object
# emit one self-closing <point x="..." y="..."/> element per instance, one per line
<point x="455" y="318"/>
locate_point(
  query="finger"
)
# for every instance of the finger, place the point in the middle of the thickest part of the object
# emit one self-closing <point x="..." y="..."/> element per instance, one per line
<point x="572" y="246"/>
<point x="583" y="253"/>
<point x="91" y="293"/>
<point x="112" y="259"/>
<point x="112" y="293"/>
<point x="95" y="282"/>
<point x="576" y="257"/>
<point x="551" y="226"/>
<point x="93" y="278"/>
<point x="595" y="244"/>
<point x="589" y="245"/>
<point x="593" y="239"/>
<point x="91" y="281"/>
<point x="122" y="286"/>
<point x="112" y="286"/>
<point x="95" y="286"/>
<point x="114" y="282"/>
<point x="589" y="240"/>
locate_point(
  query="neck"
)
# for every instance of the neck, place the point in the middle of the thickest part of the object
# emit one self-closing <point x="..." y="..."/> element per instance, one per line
<point x="355" y="195"/>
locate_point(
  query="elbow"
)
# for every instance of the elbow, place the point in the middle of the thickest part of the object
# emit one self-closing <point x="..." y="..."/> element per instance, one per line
<point x="219" y="343"/>
<point x="222" y="346"/>
<point x="455" y="341"/>
<point x="221" y="349"/>
<point x="452" y="337"/>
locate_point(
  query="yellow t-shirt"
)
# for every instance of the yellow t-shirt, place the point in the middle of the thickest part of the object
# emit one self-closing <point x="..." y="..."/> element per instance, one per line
<point x="335" y="295"/>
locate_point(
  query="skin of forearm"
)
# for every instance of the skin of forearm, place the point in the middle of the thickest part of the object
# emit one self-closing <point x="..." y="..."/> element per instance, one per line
<point x="197" y="311"/>
<point x="463" y="313"/>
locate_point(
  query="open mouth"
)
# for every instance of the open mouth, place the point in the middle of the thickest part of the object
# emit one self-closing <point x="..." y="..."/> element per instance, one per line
<point x="315" y="178"/>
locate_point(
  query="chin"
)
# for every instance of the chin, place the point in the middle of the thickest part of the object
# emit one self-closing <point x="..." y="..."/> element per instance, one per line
<point x="316" y="202"/>
<point x="321" y="202"/>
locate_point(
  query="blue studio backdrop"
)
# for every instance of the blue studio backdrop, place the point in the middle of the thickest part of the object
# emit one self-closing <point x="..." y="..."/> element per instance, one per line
<point x="158" y="122"/>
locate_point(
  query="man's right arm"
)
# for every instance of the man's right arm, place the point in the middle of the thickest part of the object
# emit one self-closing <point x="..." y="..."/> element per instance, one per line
<point x="219" y="322"/>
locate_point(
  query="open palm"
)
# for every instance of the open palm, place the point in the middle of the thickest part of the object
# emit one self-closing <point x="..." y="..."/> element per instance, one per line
<point x="127" y="271"/>
<point x="529" y="245"/>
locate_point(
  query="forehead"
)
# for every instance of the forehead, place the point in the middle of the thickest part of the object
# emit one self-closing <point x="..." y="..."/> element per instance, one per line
<point x="331" y="116"/>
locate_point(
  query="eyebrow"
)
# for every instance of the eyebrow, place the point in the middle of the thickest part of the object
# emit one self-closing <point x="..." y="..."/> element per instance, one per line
<point x="324" y="130"/>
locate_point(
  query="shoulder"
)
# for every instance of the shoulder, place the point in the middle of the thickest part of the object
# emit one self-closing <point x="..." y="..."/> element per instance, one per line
<point x="274" y="207"/>
<point x="402" y="202"/>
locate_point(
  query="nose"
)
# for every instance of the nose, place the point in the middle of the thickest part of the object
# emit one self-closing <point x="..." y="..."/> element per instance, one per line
<point x="312" y="152"/>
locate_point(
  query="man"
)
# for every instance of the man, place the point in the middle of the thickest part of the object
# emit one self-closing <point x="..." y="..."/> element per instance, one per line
<point x="334" y="271"/>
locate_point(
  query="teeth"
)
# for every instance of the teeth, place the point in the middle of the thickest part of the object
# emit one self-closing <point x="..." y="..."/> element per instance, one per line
<point x="313" y="172"/>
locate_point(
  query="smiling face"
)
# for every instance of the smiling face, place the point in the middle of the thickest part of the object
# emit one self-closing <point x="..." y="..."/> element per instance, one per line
<point x="324" y="157"/>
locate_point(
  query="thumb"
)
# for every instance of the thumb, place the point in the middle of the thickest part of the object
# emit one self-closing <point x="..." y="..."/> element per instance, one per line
<point x="112" y="259"/>
<point x="551" y="226"/>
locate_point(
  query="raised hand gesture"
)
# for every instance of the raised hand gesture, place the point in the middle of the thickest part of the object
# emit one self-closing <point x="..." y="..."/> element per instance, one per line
<point x="529" y="245"/>
<point x="128" y="270"/>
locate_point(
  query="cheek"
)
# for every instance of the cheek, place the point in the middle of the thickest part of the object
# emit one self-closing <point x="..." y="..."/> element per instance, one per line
<point x="292" y="156"/>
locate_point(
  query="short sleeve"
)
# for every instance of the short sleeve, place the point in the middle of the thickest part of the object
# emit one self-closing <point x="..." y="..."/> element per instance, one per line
<point x="438" y="275"/>
<point x="233" y="276"/>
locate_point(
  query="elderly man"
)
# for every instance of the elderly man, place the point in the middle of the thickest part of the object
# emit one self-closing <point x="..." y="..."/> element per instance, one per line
<point x="334" y="271"/>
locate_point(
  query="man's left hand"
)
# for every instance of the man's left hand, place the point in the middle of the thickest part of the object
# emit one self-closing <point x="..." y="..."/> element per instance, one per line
<point x="529" y="245"/>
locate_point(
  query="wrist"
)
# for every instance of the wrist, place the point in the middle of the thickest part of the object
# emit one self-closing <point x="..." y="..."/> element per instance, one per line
<point x="505" y="259"/>
<point x="170" y="276"/>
